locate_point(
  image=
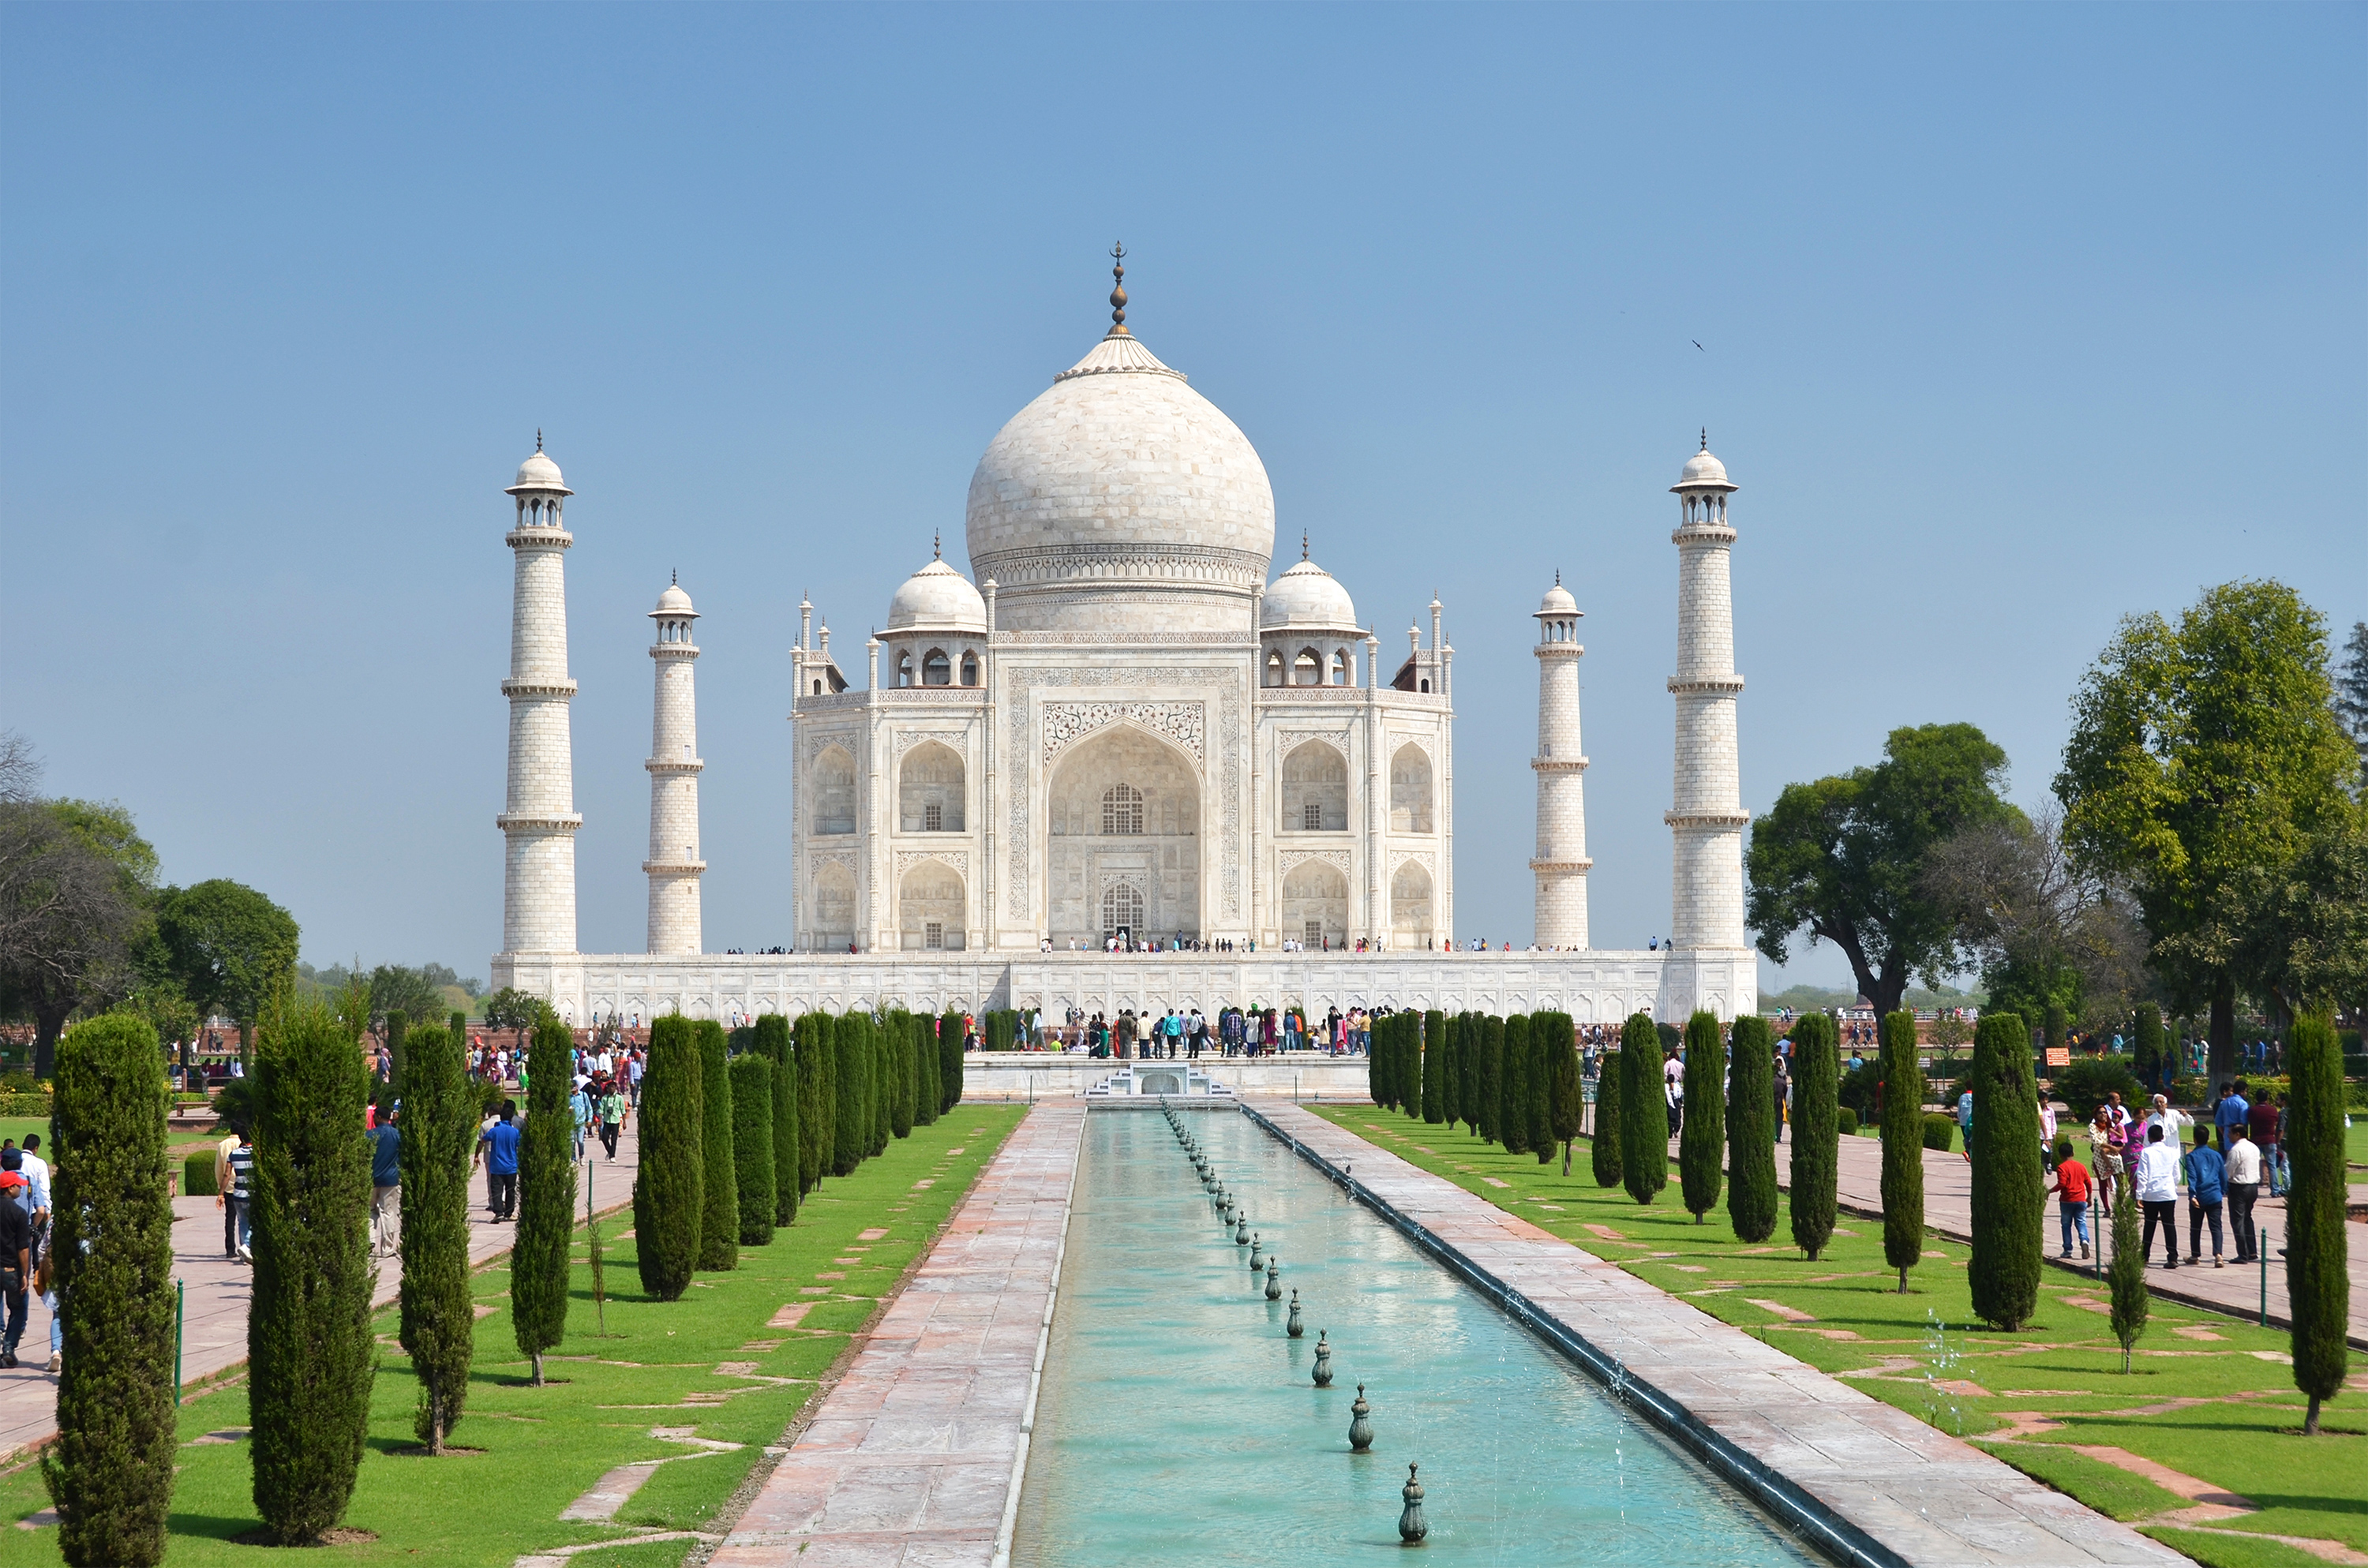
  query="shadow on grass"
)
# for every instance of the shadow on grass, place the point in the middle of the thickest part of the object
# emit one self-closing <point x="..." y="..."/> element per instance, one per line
<point x="210" y="1527"/>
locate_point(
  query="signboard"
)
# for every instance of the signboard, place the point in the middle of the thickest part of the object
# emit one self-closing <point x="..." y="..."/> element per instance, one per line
<point x="2060" y="1056"/>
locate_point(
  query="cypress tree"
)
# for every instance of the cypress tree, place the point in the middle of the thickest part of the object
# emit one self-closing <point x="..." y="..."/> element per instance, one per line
<point x="670" y="1189"/>
<point x="1565" y="1089"/>
<point x="1434" y="1068"/>
<point x="398" y="1024"/>
<point x="719" y="1223"/>
<point x="902" y="1073"/>
<point x="817" y="1106"/>
<point x="1539" y="1104"/>
<point x="2010" y="1204"/>
<point x="1450" y="1035"/>
<point x="1701" y="1140"/>
<point x="2318" y="1288"/>
<point x="1377" y="1063"/>
<point x="1603" y="1149"/>
<point x="1513" y="1087"/>
<point x="2056" y="1024"/>
<point x="850" y="1061"/>
<point x="1467" y="1055"/>
<point x="1816" y="1133"/>
<point x="2126" y="1274"/>
<point x="110" y="1471"/>
<point x="1644" y="1113"/>
<point x="950" y="1061"/>
<point x="1903" y="1146"/>
<point x="773" y="1045"/>
<point x="883" y="1089"/>
<point x="1751" y="1131"/>
<point x="927" y="1101"/>
<point x="752" y="1145"/>
<point x="1410" y="1067"/>
<point x="546" y="1213"/>
<point x="310" y="1358"/>
<point x="438" y="1133"/>
<point x="2146" y="1044"/>
<point x="1491" y="1032"/>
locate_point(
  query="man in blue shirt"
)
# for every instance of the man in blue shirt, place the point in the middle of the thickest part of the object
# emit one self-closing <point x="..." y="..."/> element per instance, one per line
<point x="498" y="1146"/>
<point x="579" y="1106"/>
<point x="2231" y="1112"/>
<point x="386" y="1181"/>
<point x="2206" y="1176"/>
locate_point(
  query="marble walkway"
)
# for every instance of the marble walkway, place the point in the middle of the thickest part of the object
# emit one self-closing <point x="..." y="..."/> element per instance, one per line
<point x="219" y="1288"/>
<point x="915" y="1456"/>
<point x="1887" y="1487"/>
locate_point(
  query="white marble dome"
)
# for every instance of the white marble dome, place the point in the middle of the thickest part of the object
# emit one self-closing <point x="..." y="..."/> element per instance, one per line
<point x="937" y="599"/>
<point x="1121" y="489"/>
<point x="1558" y="600"/>
<point x="1307" y="596"/>
<point x="1702" y="472"/>
<point x="674" y="603"/>
<point x="539" y="472"/>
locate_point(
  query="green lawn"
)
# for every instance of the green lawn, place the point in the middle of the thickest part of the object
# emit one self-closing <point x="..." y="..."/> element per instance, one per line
<point x="2207" y="1395"/>
<point x="707" y="1366"/>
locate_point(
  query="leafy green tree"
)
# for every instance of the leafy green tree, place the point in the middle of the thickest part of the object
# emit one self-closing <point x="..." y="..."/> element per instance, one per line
<point x="851" y="1057"/>
<point x="1846" y="856"/>
<point x="1751" y="1131"/>
<point x="397" y="987"/>
<point x="229" y="947"/>
<point x="2009" y="1207"/>
<point x="2125" y="1276"/>
<point x="311" y="1358"/>
<point x="1701" y="1140"/>
<point x="1644" y="1110"/>
<point x="817" y="1100"/>
<point x="719" y="1225"/>
<point x="773" y="1044"/>
<point x="1816" y="1137"/>
<point x="1604" y="1152"/>
<point x="1903" y="1145"/>
<point x="670" y="1189"/>
<point x="439" y="1131"/>
<point x="110" y="1471"/>
<point x="950" y="1061"/>
<point x="2146" y="1045"/>
<point x="2302" y="942"/>
<point x="2204" y="757"/>
<point x="1491" y="1031"/>
<point x="510" y="1008"/>
<point x="546" y="1213"/>
<point x="2317" y="1288"/>
<point x="752" y="1145"/>
<point x="72" y="921"/>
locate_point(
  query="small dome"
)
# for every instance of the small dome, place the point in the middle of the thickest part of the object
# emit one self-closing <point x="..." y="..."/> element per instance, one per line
<point x="1702" y="472"/>
<point x="1307" y="596"/>
<point x="675" y="604"/>
<point x="539" y="472"/>
<point x="1558" y="600"/>
<point x="937" y="599"/>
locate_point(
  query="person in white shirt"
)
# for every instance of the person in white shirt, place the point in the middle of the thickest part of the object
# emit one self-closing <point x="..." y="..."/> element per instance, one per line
<point x="2244" y="1183"/>
<point x="2156" y="1181"/>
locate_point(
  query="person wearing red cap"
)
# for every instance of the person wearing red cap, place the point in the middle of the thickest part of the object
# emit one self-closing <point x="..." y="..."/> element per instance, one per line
<point x="16" y="1259"/>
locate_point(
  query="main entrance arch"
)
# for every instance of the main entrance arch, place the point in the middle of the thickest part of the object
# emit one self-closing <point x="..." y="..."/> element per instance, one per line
<point x="1122" y="832"/>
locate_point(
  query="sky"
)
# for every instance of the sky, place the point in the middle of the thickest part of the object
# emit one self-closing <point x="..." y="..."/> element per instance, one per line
<point x="2009" y="321"/>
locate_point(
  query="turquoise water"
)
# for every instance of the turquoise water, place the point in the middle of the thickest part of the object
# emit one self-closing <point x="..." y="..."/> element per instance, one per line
<point x="1179" y="1426"/>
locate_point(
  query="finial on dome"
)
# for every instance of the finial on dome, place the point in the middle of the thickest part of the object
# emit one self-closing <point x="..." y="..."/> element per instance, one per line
<point x="1117" y="294"/>
<point x="538" y="437"/>
<point x="938" y="545"/>
<point x="1557" y="576"/>
<point x="675" y="577"/>
<point x="1303" y="544"/>
<point x="1705" y="446"/>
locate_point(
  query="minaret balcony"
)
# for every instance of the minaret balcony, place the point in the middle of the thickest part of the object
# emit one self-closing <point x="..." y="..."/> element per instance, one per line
<point x="690" y="764"/>
<point x="538" y="688"/>
<point x="1559" y="764"/>
<point x="1691" y="685"/>
<point x="527" y="824"/>
<point x="1715" y="821"/>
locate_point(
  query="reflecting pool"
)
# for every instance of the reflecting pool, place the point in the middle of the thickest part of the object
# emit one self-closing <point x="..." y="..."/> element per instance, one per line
<point x="1178" y="1424"/>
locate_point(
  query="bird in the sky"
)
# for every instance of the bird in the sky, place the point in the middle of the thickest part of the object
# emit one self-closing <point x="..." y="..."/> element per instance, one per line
<point x="1697" y="343"/>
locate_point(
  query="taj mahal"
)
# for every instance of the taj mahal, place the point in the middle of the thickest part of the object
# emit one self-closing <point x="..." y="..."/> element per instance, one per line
<point x="1123" y="764"/>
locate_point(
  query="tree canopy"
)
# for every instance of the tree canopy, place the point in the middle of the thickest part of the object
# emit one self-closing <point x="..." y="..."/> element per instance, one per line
<point x="227" y="945"/>
<point x="1846" y="856"/>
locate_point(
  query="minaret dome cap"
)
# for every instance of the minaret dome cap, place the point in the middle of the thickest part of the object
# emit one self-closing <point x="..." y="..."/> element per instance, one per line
<point x="1558" y="601"/>
<point x="1703" y="471"/>
<point x="540" y="473"/>
<point x="674" y="604"/>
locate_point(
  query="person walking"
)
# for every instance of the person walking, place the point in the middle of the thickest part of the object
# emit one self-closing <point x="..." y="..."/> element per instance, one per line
<point x="497" y="1146"/>
<point x="386" y="1181"/>
<point x="1783" y="1081"/>
<point x="2206" y="1175"/>
<point x="222" y="1153"/>
<point x="2072" y="1186"/>
<point x="2262" y="1122"/>
<point x="1965" y="1121"/>
<point x="242" y="1194"/>
<point x="2244" y="1183"/>
<point x="2105" y="1152"/>
<point x="2156" y="1179"/>
<point x="613" y="1117"/>
<point x="2230" y="1113"/>
<point x="579" y="1110"/>
<point x="16" y="1259"/>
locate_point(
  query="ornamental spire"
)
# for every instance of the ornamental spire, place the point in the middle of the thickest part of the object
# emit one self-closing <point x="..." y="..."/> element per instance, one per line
<point x="1118" y="293"/>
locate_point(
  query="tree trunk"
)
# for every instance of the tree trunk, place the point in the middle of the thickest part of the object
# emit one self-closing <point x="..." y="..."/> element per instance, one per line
<point x="1566" y="1156"/>
<point x="48" y="1025"/>
<point x="537" y="1358"/>
<point x="2221" y="1058"/>
<point x="2310" y="1421"/>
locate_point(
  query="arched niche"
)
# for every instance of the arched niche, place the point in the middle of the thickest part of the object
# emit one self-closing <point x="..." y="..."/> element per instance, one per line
<point x="1123" y="806"/>
<point x="834" y="791"/>
<point x="1410" y="791"/>
<point x="930" y="789"/>
<point x="1315" y="904"/>
<point x="1410" y="918"/>
<point x="834" y="908"/>
<point x="930" y="907"/>
<point x="1315" y="788"/>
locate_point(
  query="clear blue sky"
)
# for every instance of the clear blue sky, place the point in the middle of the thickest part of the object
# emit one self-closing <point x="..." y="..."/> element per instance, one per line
<point x="2013" y="320"/>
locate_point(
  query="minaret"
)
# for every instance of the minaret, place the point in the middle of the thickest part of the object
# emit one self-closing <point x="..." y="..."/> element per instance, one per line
<point x="539" y="878"/>
<point x="1706" y="813"/>
<point x="673" y="865"/>
<point x="1561" y="864"/>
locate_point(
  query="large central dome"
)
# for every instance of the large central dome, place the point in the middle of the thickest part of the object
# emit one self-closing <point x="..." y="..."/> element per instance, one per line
<point x="1122" y="501"/>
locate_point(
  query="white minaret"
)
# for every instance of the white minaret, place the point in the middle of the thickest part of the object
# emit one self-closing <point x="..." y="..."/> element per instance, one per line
<point x="540" y="823"/>
<point x="673" y="865"/>
<point x="1706" y="814"/>
<point x="1561" y="863"/>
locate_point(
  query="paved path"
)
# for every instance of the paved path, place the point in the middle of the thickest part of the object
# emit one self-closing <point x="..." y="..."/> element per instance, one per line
<point x="1910" y="1493"/>
<point x="214" y="1324"/>
<point x="915" y="1454"/>
<point x="1949" y="1208"/>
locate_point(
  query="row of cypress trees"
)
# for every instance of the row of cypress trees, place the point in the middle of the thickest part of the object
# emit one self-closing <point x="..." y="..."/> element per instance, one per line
<point x="1512" y="1081"/>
